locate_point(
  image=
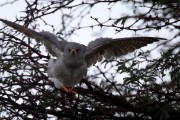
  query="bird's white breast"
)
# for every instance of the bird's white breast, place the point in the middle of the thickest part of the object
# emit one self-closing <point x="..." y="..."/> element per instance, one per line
<point x="68" y="76"/>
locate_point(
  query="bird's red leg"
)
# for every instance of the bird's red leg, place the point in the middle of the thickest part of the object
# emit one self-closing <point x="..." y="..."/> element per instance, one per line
<point x="68" y="90"/>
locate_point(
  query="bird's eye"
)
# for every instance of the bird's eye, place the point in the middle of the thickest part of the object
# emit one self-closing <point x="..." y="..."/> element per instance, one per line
<point x="77" y="50"/>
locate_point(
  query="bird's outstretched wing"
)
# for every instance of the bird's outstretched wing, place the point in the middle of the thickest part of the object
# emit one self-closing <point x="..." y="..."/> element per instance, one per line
<point x="108" y="47"/>
<point x="51" y="42"/>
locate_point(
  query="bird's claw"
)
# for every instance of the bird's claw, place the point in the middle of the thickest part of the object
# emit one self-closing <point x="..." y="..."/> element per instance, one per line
<point x="68" y="90"/>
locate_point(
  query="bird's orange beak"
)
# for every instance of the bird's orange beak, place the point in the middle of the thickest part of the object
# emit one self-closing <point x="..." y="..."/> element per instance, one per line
<point x="73" y="51"/>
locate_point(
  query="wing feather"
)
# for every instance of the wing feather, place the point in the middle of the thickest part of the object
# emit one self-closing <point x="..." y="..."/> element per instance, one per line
<point x="108" y="47"/>
<point x="51" y="42"/>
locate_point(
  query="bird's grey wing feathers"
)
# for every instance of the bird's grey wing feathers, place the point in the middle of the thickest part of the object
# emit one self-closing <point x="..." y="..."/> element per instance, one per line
<point x="53" y="45"/>
<point x="108" y="47"/>
<point x="50" y="67"/>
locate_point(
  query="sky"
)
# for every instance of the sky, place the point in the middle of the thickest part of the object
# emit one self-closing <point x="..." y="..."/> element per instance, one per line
<point x="84" y="36"/>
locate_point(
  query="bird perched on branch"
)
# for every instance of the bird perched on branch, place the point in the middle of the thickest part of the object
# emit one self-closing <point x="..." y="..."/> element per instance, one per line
<point x="73" y="59"/>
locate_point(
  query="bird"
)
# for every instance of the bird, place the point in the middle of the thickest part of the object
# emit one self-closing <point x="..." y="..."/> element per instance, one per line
<point x="73" y="59"/>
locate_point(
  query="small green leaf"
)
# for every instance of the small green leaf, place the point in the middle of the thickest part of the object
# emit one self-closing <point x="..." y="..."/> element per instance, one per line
<point x="122" y="20"/>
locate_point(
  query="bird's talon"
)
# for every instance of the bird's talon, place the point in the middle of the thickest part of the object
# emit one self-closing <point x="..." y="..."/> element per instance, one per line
<point x="68" y="90"/>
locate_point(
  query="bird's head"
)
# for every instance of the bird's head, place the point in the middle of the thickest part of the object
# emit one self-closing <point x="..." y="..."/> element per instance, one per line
<point x="74" y="53"/>
<point x="74" y="49"/>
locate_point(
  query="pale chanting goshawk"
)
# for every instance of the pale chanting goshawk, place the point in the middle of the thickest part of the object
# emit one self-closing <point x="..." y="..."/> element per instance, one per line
<point x="73" y="59"/>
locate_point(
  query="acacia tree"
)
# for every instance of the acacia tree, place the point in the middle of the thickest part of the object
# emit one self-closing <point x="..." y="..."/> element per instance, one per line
<point x="148" y="92"/>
